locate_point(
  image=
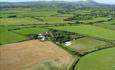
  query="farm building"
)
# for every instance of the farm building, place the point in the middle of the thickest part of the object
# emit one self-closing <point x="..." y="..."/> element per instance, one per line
<point x="68" y="43"/>
<point x="43" y="36"/>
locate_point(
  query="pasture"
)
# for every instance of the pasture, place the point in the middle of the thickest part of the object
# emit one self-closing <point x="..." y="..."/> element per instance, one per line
<point x="96" y="20"/>
<point x="27" y="13"/>
<point x="86" y="44"/>
<point x="18" y="21"/>
<point x="18" y="35"/>
<point x="109" y="24"/>
<point x="89" y="30"/>
<point x="38" y="13"/>
<point x="27" y="31"/>
<point x="100" y="60"/>
<point x="33" y="55"/>
<point x="9" y="37"/>
<point x="52" y="19"/>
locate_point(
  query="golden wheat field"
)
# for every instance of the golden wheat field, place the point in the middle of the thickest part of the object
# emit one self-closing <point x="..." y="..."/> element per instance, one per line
<point x="33" y="55"/>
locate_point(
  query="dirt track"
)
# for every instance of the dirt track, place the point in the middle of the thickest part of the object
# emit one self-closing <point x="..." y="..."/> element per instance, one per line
<point x="21" y="55"/>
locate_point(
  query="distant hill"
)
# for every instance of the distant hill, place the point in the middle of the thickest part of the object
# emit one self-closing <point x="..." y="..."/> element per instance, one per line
<point x="60" y="4"/>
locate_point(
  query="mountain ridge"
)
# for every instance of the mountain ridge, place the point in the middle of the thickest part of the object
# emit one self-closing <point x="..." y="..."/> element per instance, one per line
<point x="87" y="3"/>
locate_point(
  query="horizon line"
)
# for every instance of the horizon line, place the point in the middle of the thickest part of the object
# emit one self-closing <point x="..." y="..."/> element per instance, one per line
<point x="52" y="1"/>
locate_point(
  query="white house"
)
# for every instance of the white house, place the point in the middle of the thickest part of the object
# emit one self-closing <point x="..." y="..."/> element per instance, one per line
<point x="43" y="36"/>
<point x="68" y="43"/>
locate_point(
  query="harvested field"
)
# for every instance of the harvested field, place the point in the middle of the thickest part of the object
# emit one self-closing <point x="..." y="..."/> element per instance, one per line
<point x="33" y="55"/>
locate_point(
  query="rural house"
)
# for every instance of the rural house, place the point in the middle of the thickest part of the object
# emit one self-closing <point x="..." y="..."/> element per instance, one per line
<point x="43" y="36"/>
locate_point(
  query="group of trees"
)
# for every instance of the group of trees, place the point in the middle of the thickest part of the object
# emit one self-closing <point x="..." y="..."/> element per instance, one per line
<point x="63" y="36"/>
<point x="78" y="17"/>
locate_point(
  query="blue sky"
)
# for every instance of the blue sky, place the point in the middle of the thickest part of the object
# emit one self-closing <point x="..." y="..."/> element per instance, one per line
<point x="101" y="1"/>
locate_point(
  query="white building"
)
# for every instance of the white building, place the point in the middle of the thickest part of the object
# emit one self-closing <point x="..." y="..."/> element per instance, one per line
<point x="43" y="36"/>
<point x="68" y="43"/>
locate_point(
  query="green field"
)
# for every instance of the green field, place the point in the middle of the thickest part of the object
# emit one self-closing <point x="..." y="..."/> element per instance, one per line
<point x="39" y="13"/>
<point x="9" y="37"/>
<point x="64" y="15"/>
<point x="109" y="24"/>
<point x="86" y="44"/>
<point x="101" y="60"/>
<point x="29" y="20"/>
<point x="95" y="20"/>
<point x="52" y="19"/>
<point x="18" y="21"/>
<point x="15" y="27"/>
<point x="89" y="30"/>
<point x="28" y="31"/>
<point x="17" y="35"/>
<point x="27" y="13"/>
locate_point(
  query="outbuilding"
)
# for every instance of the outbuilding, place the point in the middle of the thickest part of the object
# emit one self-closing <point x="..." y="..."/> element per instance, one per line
<point x="68" y="43"/>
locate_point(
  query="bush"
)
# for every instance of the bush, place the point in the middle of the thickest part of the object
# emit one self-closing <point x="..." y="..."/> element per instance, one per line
<point x="12" y="16"/>
<point x="62" y="36"/>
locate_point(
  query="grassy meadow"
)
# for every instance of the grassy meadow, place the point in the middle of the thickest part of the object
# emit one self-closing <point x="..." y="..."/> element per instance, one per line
<point x="9" y="37"/>
<point x="19" y="21"/>
<point x="89" y="30"/>
<point x="95" y="20"/>
<point x="108" y="25"/>
<point x="27" y="31"/>
<point x="101" y="60"/>
<point x="86" y="44"/>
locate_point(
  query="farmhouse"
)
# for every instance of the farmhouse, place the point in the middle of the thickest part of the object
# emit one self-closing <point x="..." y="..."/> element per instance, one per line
<point x="43" y="36"/>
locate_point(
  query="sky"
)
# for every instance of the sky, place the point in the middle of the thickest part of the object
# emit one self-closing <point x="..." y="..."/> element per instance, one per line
<point x="100" y="1"/>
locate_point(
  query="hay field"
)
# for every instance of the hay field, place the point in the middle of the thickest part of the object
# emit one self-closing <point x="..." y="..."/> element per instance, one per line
<point x="33" y="55"/>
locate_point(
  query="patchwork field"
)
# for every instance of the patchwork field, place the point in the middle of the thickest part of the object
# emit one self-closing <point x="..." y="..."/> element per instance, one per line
<point x="52" y="19"/>
<point x="33" y="55"/>
<point x="95" y="20"/>
<point x="18" y="21"/>
<point x="109" y="24"/>
<point x="101" y="60"/>
<point x="29" y="20"/>
<point x="28" y="31"/>
<point x="81" y="35"/>
<point x="21" y="34"/>
<point x="27" y="13"/>
<point x="86" y="44"/>
<point x="89" y="30"/>
<point x="38" y="13"/>
<point x="9" y="37"/>
<point x="15" y="27"/>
